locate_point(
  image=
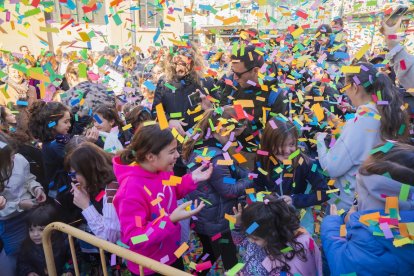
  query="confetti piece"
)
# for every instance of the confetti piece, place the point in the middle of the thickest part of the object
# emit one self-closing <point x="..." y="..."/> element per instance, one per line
<point x="156" y="201"/>
<point x="362" y="51"/>
<point x="342" y="230"/>
<point x="162" y="119"/>
<point x="82" y="70"/>
<point x="252" y="228"/>
<point x="350" y="69"/>
<point x="294" y="154"/>
<point x="391" y="202"/>
<point x="203" y="266"/>
<point x="401" y="242"/>
<point x="138" y="221"/>
<point x="180" y="251"/>
<point x="100" y="196"/>
<point x="386" y="230"/>
<point x="239" y="158"/>
<point x="139" y="239"/>
<point x="126" y="127"/>
<point x="149" y="85"/>
<point x="405" y="190"/>
<point x="51" y="124"/>
<point x="230" y="218"/>
<point x="235" y="269"/>
<point x="286" y="250"/>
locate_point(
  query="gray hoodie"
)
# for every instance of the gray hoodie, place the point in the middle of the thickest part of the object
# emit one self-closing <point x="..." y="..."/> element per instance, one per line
<point x="371" y="188"/>
<point x="403" y="64"/>
<point x="342" y="161"/>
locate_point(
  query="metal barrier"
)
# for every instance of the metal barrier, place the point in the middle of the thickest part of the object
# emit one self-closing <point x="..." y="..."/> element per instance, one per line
<point x="142" y="261"/>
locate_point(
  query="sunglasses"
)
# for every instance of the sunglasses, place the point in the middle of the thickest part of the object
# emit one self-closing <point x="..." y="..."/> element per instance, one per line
<point x="240" y="74"/>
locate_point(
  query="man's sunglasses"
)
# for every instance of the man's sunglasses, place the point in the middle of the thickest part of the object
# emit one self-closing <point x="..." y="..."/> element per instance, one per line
<point x="240" y="74"/>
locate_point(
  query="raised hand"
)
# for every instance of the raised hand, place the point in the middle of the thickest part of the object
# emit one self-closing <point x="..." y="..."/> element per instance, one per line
<point x="237" y="213"/>
<point x="181" y="212"/>
<point x="178" y="125"/>
<point x="199" y="175"/>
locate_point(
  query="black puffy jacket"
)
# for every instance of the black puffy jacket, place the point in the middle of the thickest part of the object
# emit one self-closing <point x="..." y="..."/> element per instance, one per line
<point x="220" y="192"/>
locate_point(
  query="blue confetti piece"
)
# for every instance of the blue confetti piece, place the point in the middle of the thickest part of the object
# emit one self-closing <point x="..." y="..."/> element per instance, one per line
<point x="149" y="85"/>
<point x="51" y="184"/>
<point x="51" y="124"/>
<point x="157" y="35"/>
<point x="22" y="103"/>
<point x="229" y="180"/>
<point x="97" y="119"/>
<point x="61" y="189"/>
<point x="74" y="102"/>
<point x="252" y="228"/>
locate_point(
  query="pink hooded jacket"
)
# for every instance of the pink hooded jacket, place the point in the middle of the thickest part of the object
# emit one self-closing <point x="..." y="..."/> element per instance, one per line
<point x="139" y="202"/>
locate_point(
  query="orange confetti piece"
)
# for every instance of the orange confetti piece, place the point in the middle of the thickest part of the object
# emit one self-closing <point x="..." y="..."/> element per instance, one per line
<point x="180" y="251"/>
<point x="162" y="119"/>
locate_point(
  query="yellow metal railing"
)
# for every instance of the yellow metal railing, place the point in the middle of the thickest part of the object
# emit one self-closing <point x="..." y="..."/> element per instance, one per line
<point x="142" y="261"/>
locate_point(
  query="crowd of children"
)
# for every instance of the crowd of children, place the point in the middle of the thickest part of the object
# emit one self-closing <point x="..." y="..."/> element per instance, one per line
<point x="286" y="160"/>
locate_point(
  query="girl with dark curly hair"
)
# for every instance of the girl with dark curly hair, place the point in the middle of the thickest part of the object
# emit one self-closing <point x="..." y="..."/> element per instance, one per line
<point x="273" y="240"/>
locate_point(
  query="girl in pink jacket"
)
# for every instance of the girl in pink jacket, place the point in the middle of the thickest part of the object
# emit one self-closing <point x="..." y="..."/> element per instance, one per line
<point x="146" y="201"/>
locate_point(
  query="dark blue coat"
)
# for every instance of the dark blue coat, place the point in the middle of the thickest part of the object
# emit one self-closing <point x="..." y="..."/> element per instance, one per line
<point x="363" y="252"/>
<point x="295" y="187"/>
<point x="219" y="192"/>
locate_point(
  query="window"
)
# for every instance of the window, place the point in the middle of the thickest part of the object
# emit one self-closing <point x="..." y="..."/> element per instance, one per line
<point x="150" y="14"/>
<point x="62" y="12"/>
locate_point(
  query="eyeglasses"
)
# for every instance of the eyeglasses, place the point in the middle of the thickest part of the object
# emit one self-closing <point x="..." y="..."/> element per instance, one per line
<point x="240" y="74"/>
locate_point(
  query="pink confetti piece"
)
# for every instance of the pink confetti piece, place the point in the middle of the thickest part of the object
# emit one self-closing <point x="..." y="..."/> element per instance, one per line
<point x="273" y="124"/>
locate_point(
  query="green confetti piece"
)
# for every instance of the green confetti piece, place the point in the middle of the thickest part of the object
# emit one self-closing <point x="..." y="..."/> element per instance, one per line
<point x="117" y="19"/>
<point x="206" y="201"/>
<point x="176" y="115"/>
<point x="139" y="239"/>
<point x="172" y="87"/>
<point x="385" y="148"/>
<point x="235" y="269"/>
<point x="162" y="224"/>
<point x="82" y="70"/>
<point x="294" y="154"/>
<point x="286" y="250"/>
<point x="234" y="49"/>
<point x="405" y="190"/>
<point x="101" y="62"/>
<point x="32" y="12"/>
<point x="20" y="68"/>
<point x="121" y="244"/>
<point x="401" y="130"/>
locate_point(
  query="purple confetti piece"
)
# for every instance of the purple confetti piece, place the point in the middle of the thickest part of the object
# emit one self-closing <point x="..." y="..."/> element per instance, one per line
<point x="356" y="80"/>
<point x="252" y="83"/>
<point x="386" y="230"/>
<point x="253" y="175"/>
<point x="205" y="257"/>
<point x="370" y="79"/>
<point x="7" y="16"/>
<point x="364" y="68"/>
<point x="113" y="259"/>
<point x="227" y="146"/>
<point x="382" y="103"/>
<point x="149" y="231"/>
<point x="164" y="259"/>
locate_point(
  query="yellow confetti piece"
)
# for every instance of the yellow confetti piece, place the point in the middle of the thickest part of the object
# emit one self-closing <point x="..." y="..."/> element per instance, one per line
<point x="296" y="33"/>
<point x="49" y="30"/>
<point x="331" y="182"/>
<point x="332" y="191"/>
<point x="23" y="34"/>
<point x="350" y="69"/>
<point x="230" y="218"/>
<point x="401" y="242"/>
<point x="84" y="36"/>
<point x="126" y="127"/>
<point x="244" y="103"/>
<point x="262" y="171"/>
<point x="225" y="162"/>
<point x="147" y="190"/>
<point x="362" y="51"/>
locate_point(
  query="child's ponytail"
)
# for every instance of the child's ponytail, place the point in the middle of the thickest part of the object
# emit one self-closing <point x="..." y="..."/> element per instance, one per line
<point x="394" y="121"/>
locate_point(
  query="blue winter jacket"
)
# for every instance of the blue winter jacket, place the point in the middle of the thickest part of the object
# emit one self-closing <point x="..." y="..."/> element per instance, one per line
<point x="363" y="252"/>
<point x="223" y="188"/>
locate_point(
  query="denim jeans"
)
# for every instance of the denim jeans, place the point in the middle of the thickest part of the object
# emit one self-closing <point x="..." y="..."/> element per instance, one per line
<point x="13" y="232"/>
